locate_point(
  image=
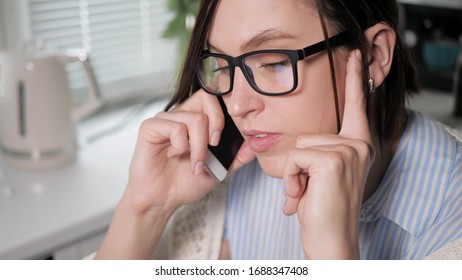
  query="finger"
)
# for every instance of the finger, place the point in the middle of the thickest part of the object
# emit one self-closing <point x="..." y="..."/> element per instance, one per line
<point x="354" y="147"/>
<point x="201" y="101"/>
<point x="355" y="124"/>
<point x="311" y="140"/>
<point x="294" y="192"/>
<point x="295" y="178"/>
<point x="198" y="139"/>
<point x="161" y="131"/>
<point x="197" y="135"/>
<point x="216" y="118"/>
<point x="244" y="156"/>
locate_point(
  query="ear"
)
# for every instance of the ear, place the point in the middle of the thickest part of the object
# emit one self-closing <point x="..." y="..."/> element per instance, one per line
<point x="381" y="40"/>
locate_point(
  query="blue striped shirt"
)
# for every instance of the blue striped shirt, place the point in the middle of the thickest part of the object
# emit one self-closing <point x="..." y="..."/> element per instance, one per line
<point x="416" y="210"/>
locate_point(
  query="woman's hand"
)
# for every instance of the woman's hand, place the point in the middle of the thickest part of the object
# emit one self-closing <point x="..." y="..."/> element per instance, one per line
<point x="167" y="171"/>
<point x="167" y="168"/>
<point x="325" y="177"/>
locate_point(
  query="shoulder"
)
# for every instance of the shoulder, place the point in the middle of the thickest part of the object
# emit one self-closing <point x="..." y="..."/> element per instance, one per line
<point x="443" y="179"/>
<point x="422" y="181"/>
<point x="435" y="142"/>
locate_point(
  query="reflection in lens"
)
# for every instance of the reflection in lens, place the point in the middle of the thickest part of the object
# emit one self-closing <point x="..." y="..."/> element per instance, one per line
<point x="270" y="72"/>
<point x="215" y="75"/>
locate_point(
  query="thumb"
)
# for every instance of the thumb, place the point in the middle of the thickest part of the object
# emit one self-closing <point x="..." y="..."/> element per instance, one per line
<point x="244" y="156"/>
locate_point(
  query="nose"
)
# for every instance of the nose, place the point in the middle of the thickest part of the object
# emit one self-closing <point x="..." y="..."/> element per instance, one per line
<point x="243" y="99"/>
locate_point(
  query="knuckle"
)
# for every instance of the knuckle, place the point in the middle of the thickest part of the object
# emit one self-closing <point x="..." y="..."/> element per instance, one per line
<point x="351" y="153"/>
<point x="146" y="126"/>
<point x="292" y="155"/>
<point x="179" y="129"/>
<point x="335" y="161"/>
<point x="199" y="119"/>
<point x="300" y="140"/>
<point x="160" y="115"/>
<point x="365" y="151"/>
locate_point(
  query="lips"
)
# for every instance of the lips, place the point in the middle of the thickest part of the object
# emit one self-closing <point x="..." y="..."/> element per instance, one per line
<point x="260" y="141"/>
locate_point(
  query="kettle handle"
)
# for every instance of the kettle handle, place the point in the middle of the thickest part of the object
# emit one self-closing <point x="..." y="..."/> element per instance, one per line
<point x="94" y="101"/>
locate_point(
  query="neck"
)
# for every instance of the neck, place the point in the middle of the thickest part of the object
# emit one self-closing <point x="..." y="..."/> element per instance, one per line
<point x="383" y="157"/>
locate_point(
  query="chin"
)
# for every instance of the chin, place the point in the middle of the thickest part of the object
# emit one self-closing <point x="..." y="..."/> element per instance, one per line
<point x="272" y="165"/>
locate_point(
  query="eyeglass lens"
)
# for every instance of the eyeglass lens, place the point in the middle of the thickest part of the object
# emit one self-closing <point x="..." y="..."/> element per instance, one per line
<point x="270" y="73"/>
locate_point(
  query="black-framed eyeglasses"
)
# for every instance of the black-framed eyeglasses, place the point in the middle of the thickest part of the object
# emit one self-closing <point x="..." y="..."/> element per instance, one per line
<point x="269" y="72"/>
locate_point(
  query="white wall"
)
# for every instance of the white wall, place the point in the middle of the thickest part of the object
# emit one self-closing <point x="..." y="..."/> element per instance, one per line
<point x="2" y="26"/>
<point x="14" y="30"/>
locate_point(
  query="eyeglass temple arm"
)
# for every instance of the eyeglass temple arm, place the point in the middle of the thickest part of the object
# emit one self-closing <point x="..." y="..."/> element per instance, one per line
<point x="334" y="41"/>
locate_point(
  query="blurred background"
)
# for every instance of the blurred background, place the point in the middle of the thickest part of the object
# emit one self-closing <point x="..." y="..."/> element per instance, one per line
<point x="77" y="77"/>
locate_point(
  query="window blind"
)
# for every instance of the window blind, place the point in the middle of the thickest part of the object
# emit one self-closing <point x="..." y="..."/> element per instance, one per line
<point x="124" y="38"/>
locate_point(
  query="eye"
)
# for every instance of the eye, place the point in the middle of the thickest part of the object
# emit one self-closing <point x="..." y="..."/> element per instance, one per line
<point x="220" y="66"/>
<point x="224" y="69"/>
<point x="215" y="66"/>
<point x="270" y="62"/>
<point x="276" y="66"/>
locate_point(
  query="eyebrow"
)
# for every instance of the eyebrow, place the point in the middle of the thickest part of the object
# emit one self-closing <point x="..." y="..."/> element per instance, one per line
<point x="259" y="39"/>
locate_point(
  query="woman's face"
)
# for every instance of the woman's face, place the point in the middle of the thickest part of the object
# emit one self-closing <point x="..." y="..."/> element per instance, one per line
<point x="271" y="124"/>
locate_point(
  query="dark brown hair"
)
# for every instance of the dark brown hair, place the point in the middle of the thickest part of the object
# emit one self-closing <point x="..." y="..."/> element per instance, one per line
<point x="386" y="106"/>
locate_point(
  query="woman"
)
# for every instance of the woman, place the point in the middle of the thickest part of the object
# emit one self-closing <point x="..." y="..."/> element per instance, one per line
<point x="327" y="125"/>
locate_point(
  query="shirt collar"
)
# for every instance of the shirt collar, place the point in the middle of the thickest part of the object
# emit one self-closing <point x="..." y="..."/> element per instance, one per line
<point x="406" y="191"/>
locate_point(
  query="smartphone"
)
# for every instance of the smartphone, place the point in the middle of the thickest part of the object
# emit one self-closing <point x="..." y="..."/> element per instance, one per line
<point x="219" y="158"/>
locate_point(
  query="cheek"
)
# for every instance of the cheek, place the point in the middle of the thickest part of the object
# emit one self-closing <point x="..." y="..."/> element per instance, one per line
<point x="315" y="81"/>
<point x="317" y="99"/>
<point x="310" y="112"/>
<point x="317" y="116"/>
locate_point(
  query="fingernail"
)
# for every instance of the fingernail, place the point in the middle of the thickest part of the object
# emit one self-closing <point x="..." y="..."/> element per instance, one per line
<point x="215" y="139"/>
<point x="358" y="55"/>
<point x="198" y="168"/>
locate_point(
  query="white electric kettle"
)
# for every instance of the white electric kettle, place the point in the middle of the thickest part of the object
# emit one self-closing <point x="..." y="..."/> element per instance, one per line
<point x="37" y="116"/>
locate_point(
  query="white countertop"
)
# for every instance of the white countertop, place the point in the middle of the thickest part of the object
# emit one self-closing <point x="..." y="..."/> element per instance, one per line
<point x="47" y="210"/>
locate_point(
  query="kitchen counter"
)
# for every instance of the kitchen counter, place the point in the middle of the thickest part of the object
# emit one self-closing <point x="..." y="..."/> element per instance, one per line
<point x="44" y="211"/>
